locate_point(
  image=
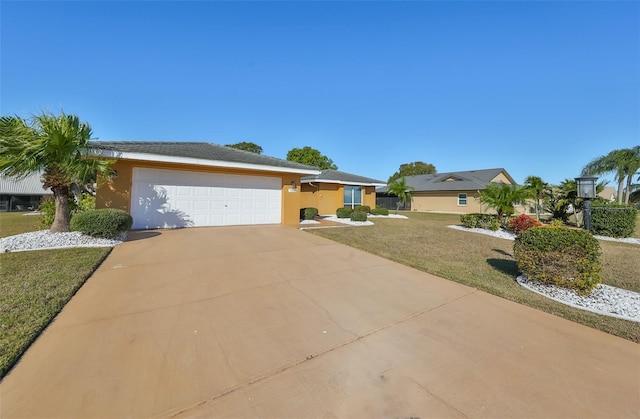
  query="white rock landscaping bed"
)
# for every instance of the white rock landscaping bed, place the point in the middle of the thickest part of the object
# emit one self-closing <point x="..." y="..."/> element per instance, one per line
<point x="44" y="239"/>
<point x="604" y="299"/>
<point x="348" y="221"/>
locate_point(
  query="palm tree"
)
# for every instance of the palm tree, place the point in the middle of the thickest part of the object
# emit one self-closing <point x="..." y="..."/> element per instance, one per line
<point x="503" y="197"/>
<point x="625" y="163"/>
<point x="632" y="157"/>
<point x="403" y="191"/>
<point x="538" y="189"/>
<point x="57" y="146"/>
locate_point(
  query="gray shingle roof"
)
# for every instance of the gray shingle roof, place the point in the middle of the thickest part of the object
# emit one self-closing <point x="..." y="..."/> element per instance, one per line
<point x="462" y="181"/>
<point x="30" y="185"/>
<point x="196" y="150"/>
<point x="336" y="176"/>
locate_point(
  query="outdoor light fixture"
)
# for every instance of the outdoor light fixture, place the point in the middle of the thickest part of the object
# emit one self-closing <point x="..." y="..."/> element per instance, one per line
<point x="293" y="187"/>
<point x="586" y="186"/>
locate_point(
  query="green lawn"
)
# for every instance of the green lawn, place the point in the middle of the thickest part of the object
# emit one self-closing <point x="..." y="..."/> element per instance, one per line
<point x="35" y="286"/>
<point x="425" y="242"/>
<point x="12" y="223"/>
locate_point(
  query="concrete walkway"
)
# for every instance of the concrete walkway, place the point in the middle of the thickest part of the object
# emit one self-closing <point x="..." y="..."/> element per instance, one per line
<point x="270" y="321"/>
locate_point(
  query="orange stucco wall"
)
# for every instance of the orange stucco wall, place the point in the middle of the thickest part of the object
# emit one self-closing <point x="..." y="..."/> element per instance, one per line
<point x="328" y="197"/>
<point x="117" y="193"/>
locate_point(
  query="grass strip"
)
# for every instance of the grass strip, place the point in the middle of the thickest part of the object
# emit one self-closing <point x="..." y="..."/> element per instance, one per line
<point x="35" y="286"/>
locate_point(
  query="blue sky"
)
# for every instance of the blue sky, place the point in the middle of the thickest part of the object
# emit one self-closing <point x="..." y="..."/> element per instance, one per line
<point x="539" y="88"/>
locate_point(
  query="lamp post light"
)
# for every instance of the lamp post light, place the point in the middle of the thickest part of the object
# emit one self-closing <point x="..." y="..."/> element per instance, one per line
<point x="587" y="191"/>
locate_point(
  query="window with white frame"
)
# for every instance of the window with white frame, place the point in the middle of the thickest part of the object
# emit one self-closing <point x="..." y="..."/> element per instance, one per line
<point x="352" y="196"/>
<point x="462" y="199"/>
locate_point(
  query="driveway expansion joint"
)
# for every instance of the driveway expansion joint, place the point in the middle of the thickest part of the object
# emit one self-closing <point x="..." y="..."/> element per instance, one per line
<point x="281" y="370"/>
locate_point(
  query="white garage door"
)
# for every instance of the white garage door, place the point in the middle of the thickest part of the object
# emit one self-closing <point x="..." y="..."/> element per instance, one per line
<point x="170" y="198"/>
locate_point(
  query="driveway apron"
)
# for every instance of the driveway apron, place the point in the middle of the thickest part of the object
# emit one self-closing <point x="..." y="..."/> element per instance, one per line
<point x="271" y="321"/>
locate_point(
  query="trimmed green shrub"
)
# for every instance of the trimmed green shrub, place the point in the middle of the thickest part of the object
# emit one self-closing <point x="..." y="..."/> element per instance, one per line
<point x="556" y="222"/>
<point x="105" y="223"/>
<point x="379" y="211"/>
<point x="487" y="221"/>
<point x="559" y="256"/>
<point x="310" y="213"/>
<point x="358" y="216"/>
<point x="47" y="209"/>
<point x="613" y="220"/>
<point x="85" y="202"/>
<point x="522" y="223"/>
<point x="344" y="212"/>
<point x="363" y="208"/>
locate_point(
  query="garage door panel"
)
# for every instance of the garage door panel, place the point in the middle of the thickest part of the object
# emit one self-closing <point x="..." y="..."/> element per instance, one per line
<point x="166" y="198"/>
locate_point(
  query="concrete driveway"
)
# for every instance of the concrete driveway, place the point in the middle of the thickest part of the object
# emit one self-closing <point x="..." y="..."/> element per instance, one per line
<point x="271" y="321"/>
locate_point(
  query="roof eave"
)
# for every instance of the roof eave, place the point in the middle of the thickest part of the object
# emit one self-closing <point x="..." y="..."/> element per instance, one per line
<point x="159" y="158"/>
<point x="342" y="182"/>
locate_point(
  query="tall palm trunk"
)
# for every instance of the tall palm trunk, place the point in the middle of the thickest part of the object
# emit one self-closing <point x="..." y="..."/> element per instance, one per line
<point x="628" y="190"/>
<point x="61" y="219"/>
<point x="620" y="189"/>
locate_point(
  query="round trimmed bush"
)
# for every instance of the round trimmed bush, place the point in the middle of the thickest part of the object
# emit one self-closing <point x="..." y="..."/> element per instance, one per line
<point x="344" y="212"/>
<point x="364" y="208"/>
<point x="358" y="216"/>
<point x="310" y="213"/>
<point x="379" y="211"/>
<point x="107" y="223"/>
<point x="486" y="221"/>
<point x="559" y="256"/>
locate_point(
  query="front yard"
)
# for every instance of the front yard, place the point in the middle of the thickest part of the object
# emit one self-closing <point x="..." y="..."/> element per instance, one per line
<point x="425" y="242"/>
<point x="36" y="285"/>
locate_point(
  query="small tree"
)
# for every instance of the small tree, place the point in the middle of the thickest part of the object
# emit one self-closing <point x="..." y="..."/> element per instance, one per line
<point x="311" y="157"/>
<point x="400" y="189"/>
<point x="57" y="145"/>
<point x="502" y="198"/>
<point x="538" y="189"/>
<point x="412" y="169"/>
<point x="247" y="146"/>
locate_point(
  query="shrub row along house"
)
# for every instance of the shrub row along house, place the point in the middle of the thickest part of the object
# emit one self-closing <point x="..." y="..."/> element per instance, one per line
<point x="332" y="189"/>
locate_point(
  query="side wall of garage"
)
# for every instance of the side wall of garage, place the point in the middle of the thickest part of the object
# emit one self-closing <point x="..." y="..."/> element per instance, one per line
<point x="117" y="192"/>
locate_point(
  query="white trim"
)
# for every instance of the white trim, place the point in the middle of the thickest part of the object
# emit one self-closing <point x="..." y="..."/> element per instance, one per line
<point x="200" y="162"/>
<point x="341" y="182"/>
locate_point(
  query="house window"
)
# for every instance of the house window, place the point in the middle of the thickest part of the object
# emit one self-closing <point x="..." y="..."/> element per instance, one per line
<point x="352" y="196"/>
<point x="462" y="199"/>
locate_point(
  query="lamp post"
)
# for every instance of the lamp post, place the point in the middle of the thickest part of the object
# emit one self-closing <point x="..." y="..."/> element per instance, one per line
<point x="587" y="191"/>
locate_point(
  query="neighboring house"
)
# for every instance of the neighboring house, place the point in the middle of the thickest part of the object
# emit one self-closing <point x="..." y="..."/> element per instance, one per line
<point x="332" y="189"/>
<point x="21" y="194"/>
<point x="184" y="184"/>
<point x="453" y="192"/>
<point x="608" y="193"/>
